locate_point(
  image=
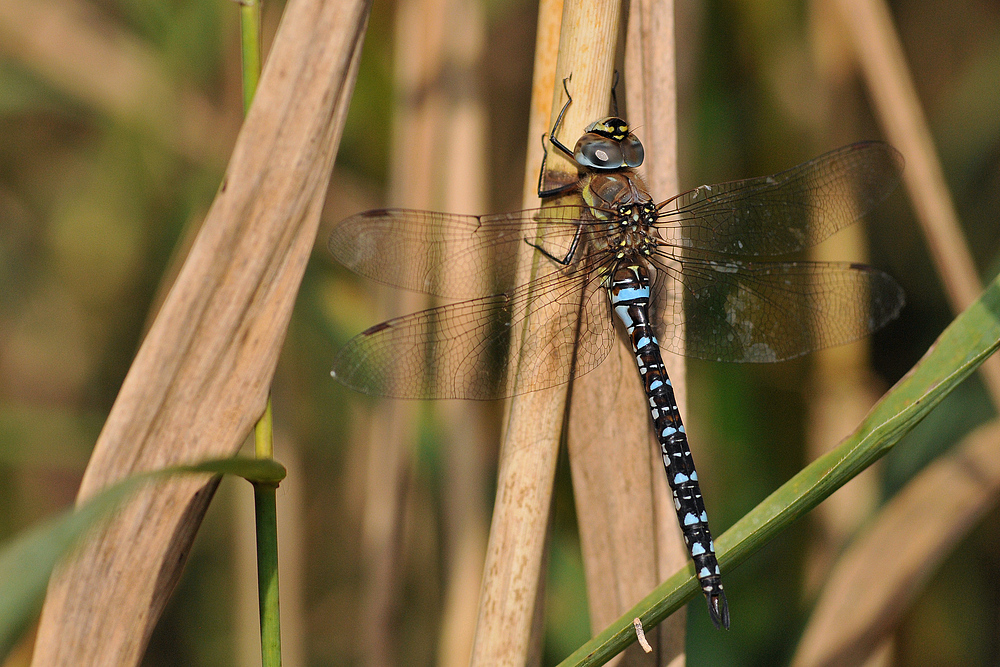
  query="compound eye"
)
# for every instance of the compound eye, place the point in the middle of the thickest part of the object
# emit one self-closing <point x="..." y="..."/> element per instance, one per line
<point x="632" y="151"/>
<point x="596" y="152"/>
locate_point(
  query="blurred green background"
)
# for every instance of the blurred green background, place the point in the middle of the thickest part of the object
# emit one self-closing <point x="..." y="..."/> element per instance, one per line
<point x="116" y="120"/>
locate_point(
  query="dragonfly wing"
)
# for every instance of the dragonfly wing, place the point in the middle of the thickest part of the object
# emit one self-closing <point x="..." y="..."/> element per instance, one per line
<point x="452" y="351"/>
<point x="461" y="350"/>
<point x="455" y="256"/>
<point x="789" y="211"/>
<point x="772" y="311"/>
<point x="576" y="333"/>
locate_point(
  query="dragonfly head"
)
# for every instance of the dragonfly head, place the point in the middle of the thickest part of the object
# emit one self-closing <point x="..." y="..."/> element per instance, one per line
<point x="608" y="144"/>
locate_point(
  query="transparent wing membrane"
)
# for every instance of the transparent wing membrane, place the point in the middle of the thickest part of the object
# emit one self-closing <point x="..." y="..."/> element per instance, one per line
<point x="414" y="249"/>
<point x="789" y="211"/>
<point x="460" y="350"/>
<point x="733" y="307"/>
<point x="772" y="311"/>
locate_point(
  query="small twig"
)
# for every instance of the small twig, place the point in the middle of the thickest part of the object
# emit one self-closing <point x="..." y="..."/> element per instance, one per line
<point x="641" y="636"/>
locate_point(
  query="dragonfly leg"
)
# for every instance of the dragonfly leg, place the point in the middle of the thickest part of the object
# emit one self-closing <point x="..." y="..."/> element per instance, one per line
<point x="614" y="91"/>
<point x="565" y="261"/>
<point x="544" y="192"/>
<point x="559" y="119"/>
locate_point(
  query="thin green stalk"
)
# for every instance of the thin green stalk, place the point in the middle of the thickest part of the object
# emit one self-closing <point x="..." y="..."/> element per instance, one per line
<point x="250" y="47"/>
<point x="267" y="574"/>
<point x="265" y="508"/>
<point x="263" y="434"/>
<point x="267" y="547"/>
<point x="265" y="511"/>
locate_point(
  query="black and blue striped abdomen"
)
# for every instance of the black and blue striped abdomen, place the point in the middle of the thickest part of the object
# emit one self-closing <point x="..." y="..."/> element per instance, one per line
<point x="629" y="291"/>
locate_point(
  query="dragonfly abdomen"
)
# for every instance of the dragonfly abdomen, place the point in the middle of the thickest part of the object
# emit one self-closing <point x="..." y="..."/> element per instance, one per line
<point x="629" y="291"/>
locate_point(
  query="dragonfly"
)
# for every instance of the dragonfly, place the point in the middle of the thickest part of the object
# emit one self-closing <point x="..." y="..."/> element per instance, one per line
<point x="695" y="274"/>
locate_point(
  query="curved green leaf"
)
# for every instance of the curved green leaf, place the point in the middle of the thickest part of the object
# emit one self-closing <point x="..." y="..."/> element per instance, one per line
<point x="27" y="561"/>
<point x="970" y="339"/>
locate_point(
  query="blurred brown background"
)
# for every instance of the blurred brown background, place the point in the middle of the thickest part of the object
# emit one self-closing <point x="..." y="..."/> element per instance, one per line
<point x="116" y="119"/>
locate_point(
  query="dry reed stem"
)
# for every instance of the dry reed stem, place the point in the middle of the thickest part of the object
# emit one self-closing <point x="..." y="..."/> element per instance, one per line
<point x="387" y="492"/>
<point x="653" y="108"/>
<point x="629" y="536"/>
<point x="414" y="165"/>
<point x="514" y="561"/>
<point x="861" y="604"/>
<point x="652" y="102"/>
<point x="883" y="62"/>
<point x="83" y="53"/>
<point x="467" y="423"/>
<point x="438" y="146"/>
<point x="200" y="378"/>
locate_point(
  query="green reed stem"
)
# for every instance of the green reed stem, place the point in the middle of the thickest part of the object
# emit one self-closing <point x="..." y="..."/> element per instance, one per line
<point x="265" y="508"/>
<point x="250" y="48"/>
<point x="265" y="511"/>
<point x="267" y="575"/>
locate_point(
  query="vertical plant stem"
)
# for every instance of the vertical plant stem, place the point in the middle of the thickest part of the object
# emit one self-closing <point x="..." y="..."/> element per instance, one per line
<point x="628" y="533"/>
<point x="264" y="494"/>
<point x="506" y="630"/>
<point x="265" y="511"/>
<point x="263" y="434"/>
<point x="250" y="48"/>
<point x="466" y="423"/>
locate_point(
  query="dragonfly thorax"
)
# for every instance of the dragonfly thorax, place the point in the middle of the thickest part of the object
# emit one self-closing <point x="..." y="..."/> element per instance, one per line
<point x="608" y="144"/>
<point x="619" y="196"/>
<point x="620" y="199"/>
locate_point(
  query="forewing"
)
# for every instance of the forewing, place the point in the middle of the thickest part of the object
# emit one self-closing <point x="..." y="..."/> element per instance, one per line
<point x="449" y="255"/>
<point x="772" y="311"/>
<point x="789" y="211"/>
